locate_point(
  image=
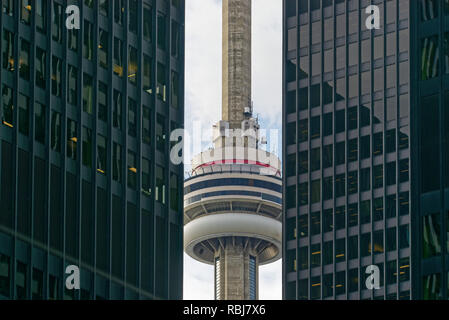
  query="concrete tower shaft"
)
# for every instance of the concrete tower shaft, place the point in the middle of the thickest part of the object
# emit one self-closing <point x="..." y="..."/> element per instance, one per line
<point x="233" y="199"/>
<point x="236" y="61"/>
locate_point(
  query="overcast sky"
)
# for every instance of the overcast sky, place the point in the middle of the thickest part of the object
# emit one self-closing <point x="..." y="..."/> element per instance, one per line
<point x="203" y="104"/>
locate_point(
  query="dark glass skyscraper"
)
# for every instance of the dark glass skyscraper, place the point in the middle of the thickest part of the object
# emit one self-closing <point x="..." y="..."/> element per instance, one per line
<point x="85" y="172"/>
<point x="366" y="132"/>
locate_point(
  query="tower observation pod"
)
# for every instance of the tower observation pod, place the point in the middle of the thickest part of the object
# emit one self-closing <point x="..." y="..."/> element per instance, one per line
<point x="233" y="199"/>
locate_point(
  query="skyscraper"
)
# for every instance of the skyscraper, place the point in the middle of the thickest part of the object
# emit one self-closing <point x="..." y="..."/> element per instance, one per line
<point x="86" y="177"/>
<point x="232" y="201"/>
<point x="365" y="148"/>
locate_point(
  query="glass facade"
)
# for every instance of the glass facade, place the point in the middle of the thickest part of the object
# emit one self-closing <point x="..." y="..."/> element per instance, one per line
<point x="342" y="182"/>
<point x="82" y="179"/>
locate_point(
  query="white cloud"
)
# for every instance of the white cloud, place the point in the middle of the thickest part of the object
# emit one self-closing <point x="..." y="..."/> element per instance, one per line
<point x="203" y="103"/>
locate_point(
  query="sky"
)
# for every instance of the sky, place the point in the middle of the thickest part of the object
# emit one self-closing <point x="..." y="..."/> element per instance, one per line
<point x="203" y="105"/>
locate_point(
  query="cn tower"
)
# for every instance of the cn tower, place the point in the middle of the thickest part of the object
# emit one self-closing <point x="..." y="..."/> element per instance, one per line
<point x="232" y="201"/>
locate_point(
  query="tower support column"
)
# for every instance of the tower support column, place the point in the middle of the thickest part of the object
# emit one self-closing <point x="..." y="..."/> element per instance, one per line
<point x="236" y="271"/>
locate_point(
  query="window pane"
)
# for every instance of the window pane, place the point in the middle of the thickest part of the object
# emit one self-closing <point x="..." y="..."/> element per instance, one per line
<point x="430" y="58"/>
<point x="147" y="22"/>
<point x="72" y="84"/>
<point x="56" y="75"/>
<point x="24" y="114"/>
<point x="72" y="139"/>
<point x="55" y="131"/>
<point x="103" y="48"/>
<point x="101" y="154"/>
<point x="132" y="170"/>
<point x="87" y="147"/>
<point x="41" y="68"/>
<point x="102" y="101"/>
<point x="88" y="41"/>
<point x="132" y="117"/>
<point x="25" y="11"/>
<point x="8" y="106"/>
<point x="118" y="57"/>
<point x="132" y="65"/>
<point x="87" y="93"/>
<point x="431" y="235"/>
<point x="24" y="60"/>
<point x="39" y="122"/>
<point x="56" y="29"/>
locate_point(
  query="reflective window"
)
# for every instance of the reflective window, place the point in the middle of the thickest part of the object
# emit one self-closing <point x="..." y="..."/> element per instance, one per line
<point x="72" y="39"/>
<point x="41" y="68"/>
<point x="5" y="275"/>
<point x="353" y="150"/>
<point x="430" y="58"/>
<point x="117" y="110"/>
<point x="104" y="7"/>
<point x="132" y="22"/>
<point x="365" y="211"/>
<point x="174" y="194"/>
<point x="340" y="153"/>
<point x="40" y="122"/>
<point x="340" y="185"/>
<point x="87" y="147"/>
<point x="21" y="280"/>
<point x="161" y="32"/>
<point x="119" y="9"/>
<point x="147" y="22"/>
<point x="25" y="11"/>
<point x="118" y="57"/>
<point x="72" y="139"/>
<point x="328" y="184"/>
<point x="365" y="179"/>
<point x="146" y="125"/>
<point x="430" y="143"/>
<point x="303" y="162"/>
<point x="431" y="235"/>
<point x="103" y="48"/>
<point x="56" y="27"/>
<point x="24" y="60"/>
<point x="8" y="106"/>
<point x="24" y="114"/>
<point x="117" y="162"/>
<point x="132" y="65"/>
<point x="132" y="170"/>
<point x="340" y="223"/>
<point x="175" y="90"/>
<point x="72" y="85"/>
<point x="101" y="154"/>
<point x="88" y="40"/>
<point x="102" y="101"/>
<point x="315" y="191"/>
<point x="8" y="50"/>
<point x="8" y="7"/>
<point x="428" y="9"/>
<point x="55" y="140"/>
<point x="56" y="76"/>
<point x="328" y="156"/>
<point x="160" y="185"/>
<point x="378" y="144"/>
<point x="161" y="82"/>
<point x="87" y="93"/>
<point x="315" y="255"/>
<point x="175" y="39"/>
<point x="315" y="159"/>
<point x="352" y="182"/>
<point x="147" y="74"/>
<point x="146" y="177"/>
<point x="132" y="117"/>
<point x="160" y="133"/>
<point x="431" y="287"/>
